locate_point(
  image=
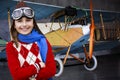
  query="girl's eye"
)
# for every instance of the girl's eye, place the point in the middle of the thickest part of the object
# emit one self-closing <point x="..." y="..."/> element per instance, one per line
<point x="28" y="19"/>
<point x="19" y="20"/>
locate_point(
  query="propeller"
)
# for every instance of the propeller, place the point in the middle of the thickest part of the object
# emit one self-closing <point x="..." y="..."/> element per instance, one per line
<point x="92" y="27"/>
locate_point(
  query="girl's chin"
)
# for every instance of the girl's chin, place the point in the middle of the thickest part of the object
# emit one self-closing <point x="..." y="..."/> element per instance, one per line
<point x="25" y="33"/>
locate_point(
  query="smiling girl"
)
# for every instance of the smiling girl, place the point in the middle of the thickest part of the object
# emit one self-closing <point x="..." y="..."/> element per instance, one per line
<point x="29" y="53"/>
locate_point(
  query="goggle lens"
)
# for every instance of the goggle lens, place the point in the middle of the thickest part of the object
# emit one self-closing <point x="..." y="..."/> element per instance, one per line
<point x="28" y="12"/>
<point x="16" y="14"/>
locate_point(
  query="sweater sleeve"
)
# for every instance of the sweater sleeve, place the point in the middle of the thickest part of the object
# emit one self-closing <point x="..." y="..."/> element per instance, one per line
<point x="17" y="72"/>
<point x="50" y="69"/>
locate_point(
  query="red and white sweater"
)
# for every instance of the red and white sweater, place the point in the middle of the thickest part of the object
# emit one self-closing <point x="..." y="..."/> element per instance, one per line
<point x="21" y="60"/>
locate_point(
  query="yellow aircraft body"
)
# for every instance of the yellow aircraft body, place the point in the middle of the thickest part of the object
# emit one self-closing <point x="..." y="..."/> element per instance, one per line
<point x="58" y="36"/>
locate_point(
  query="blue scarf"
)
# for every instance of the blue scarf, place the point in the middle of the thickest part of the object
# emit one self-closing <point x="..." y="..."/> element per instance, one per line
<point x="34" y="36"/>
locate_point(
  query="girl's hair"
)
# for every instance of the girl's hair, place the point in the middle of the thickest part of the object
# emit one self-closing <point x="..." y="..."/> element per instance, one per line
<point x="14" y="33"/>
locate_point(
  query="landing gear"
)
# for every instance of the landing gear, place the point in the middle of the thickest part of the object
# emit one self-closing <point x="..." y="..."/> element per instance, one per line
<point x="59" y="65"/>
<point x="91" y="64"/>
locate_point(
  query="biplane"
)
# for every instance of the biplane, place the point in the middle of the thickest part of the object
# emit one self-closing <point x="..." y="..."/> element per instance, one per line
<point x="70" y="31"/>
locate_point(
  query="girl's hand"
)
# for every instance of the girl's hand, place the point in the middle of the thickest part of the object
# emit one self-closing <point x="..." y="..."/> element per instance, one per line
<point x="42" y="64"/>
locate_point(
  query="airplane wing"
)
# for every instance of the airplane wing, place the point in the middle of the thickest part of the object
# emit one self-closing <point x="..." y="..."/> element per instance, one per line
<point x="43" y="11"/>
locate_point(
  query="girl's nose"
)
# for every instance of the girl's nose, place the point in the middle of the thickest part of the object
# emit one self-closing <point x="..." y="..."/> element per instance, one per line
<point x="24" y="23"/>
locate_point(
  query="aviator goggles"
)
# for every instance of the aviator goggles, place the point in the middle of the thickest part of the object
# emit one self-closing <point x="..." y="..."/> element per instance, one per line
<point x="24" y="11"/>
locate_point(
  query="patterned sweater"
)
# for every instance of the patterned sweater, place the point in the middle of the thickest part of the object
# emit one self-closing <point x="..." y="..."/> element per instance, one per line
<point x="21" y="60"/>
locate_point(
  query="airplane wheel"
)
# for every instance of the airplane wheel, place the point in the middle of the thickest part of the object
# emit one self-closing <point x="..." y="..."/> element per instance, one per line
<point x="90" y="66"/>
<point x="59" y="65"/>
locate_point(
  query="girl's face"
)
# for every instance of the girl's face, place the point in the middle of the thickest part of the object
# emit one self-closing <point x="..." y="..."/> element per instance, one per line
<point x="24" y="25"/>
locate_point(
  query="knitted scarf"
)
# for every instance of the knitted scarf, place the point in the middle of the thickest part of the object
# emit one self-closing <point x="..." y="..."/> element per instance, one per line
<point x="34" y="36"/>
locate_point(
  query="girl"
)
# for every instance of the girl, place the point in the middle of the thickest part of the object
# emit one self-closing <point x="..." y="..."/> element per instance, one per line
<point x="29" y="53"/>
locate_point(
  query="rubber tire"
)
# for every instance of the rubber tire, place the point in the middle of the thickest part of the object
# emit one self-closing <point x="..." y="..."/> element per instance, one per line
<point x="59" y="61"/>
<point x="94" y="64"/>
